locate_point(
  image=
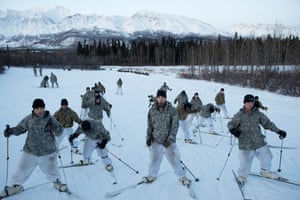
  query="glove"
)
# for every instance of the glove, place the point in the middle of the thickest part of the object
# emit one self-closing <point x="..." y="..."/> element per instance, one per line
<point x="102" y="144"/>
<point x="7" y="131"/>
<point x="282" y="134"/>
<point x="148" y="142"/>
<point x="235" y="131"/>
<point x="167" y="143"/>
<point x="72" y="137"/>
<point x="218" y="110"/>
<point x="108" y="113"/>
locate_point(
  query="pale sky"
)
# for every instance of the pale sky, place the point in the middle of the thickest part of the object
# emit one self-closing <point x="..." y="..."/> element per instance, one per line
<point x="218" y="13"/>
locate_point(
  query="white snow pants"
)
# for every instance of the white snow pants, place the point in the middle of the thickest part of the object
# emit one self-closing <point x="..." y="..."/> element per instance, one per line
<point x="223" y="109"/>
<point x="67" y="132"/>
<point x="88" y="148"/>
<point x="28" y="162"/>
<point x="157" y="151"/>
<point x="184" y="127"/>
<point x="263" y="154"/>
<point x="84" y="113"/>
<point x="191" y="118"/>
<point x="210" y="123"/>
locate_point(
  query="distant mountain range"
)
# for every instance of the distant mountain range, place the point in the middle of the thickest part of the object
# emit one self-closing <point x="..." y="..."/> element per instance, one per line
<point x="58" y="27"/>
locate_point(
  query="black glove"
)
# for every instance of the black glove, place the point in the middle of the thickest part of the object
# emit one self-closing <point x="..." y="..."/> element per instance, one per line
<point x="218" y="110"/>
<point x="72" y="137"/>
<point x="282" y="134"/>
<point x="7" y="131"/>
<point x="167" y="143"/>
<point x="102" y="144"/>
<point x="148" y="142"/>
<point x="235" y="131"/>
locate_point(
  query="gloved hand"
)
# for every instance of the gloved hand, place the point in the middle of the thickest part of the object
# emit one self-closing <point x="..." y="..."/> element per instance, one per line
<point x="148" y="142"/>
<point x="7" y="131"/>
<point x="218" y="110"/>
<point x="72" y="137"/>
<point x="102" y="144"/>
<point x="108" y="113"/>
<point x="235" y="131"/>
<point x="282" y="134"/>
<point x="167" y="143"/>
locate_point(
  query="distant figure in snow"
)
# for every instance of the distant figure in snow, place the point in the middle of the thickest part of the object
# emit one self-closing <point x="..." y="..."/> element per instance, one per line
<point x="220" y="103"/>
<point x="165" y="87"/>
<point x="119" y="84"/>
<point x="41" y="71"/>
<point x="45" y="83"/>
<point x="53" y="80"/>
<point x="39" y="148"/>
<point x="246" y="126"/>
<point x="258" y="104"/>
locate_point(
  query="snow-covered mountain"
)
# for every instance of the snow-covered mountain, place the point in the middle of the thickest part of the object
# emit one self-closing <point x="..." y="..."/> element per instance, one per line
<point x="59" y="27"/>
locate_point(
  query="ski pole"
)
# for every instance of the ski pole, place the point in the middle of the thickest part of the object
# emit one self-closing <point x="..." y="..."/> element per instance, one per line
<point x="218" y="178"/>
<point x="59" y="157"/>
<point x="111" y="121"/>
<point x="7" y="157"/>
<point x="136" y="171"/>
<point x="281" y="147"/>
<point x="185" y="167"/>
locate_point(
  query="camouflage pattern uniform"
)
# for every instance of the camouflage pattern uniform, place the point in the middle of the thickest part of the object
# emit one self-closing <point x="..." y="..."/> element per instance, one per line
<point x="40" y="147"/>
<point x="251" y="140"/>
<point x="162" y="127"/>
<point x="95" y="110"/>
<point x="93" y="137"/>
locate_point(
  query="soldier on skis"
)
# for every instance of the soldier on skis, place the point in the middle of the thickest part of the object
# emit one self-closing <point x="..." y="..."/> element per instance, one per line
<point x="96" y="138"/>
<point x="245" y="125"/>
<point x="161" y="138"/>
<point x="39" y="149"/>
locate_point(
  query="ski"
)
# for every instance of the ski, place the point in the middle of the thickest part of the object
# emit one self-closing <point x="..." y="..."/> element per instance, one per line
<point x="128" y="187"/>
<point x="279" y="147"/>
<point x="76" y="165"/>
<point x="119" y="191"/>
<point x="113" y="176"/>
<point x="191" y="191"/>
<point x="26" y="189"/>
<point x="280" y="179"/>
<point x="241" y="187"/>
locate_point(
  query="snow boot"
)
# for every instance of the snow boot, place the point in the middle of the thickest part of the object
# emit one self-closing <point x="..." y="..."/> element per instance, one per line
<point x="109" y="167"/>
<point x="148" y="179"/>
<point x="242" y="180"/>
<point x="60" y="186"/>
<point x="185" y="181"/>
<point x="269" y="174"/>
<point x="14" y="189"/>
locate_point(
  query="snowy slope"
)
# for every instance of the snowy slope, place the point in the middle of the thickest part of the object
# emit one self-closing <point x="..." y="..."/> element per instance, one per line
<point x="19" y="87"/>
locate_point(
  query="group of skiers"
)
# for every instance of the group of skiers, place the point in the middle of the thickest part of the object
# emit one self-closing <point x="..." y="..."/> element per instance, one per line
<point x="46" y="132"/>
<point x="45" y="81"/>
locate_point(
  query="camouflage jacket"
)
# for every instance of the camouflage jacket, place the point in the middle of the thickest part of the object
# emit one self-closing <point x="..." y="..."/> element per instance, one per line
<point x="196" y="104"/>
<point x="162" y="125"/>
<point x="205" y="110"/>
<point x="40" y="138"/>
<point x="220" y="98"/>
<point x="97" y="132"/>
<point x="181" y="99"/>
<point x="86" y="98"/>
<point x="95" y="111"/>
<point x="66" y="117"/>
<point x="249" y="123"/>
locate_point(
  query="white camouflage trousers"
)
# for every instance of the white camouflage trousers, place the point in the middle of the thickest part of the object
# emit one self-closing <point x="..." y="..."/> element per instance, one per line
<point x="67" y="132"/>
<point x="184" y="127"/>
<point x="88" y="148"/>
<point x="157" y="151"/>
<point x="263" y="154"/>
<point x="28" y="162"/>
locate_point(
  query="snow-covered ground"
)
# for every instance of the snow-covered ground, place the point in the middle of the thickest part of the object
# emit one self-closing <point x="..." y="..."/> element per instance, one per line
<point x="129" y="112"/>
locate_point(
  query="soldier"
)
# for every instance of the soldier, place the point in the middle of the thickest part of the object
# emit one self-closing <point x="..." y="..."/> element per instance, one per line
<point x="39" y="148"/>
<point x="220" y="102"/>
<point x="161" y="137"/>
<point x="246" y="126"/>
<point x="66" y="117"/>
<point x="119" y="84"/>
<point x="53" y="80"/>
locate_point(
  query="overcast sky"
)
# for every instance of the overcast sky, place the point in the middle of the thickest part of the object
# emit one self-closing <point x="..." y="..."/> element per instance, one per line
<point x="218" y="13"/>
